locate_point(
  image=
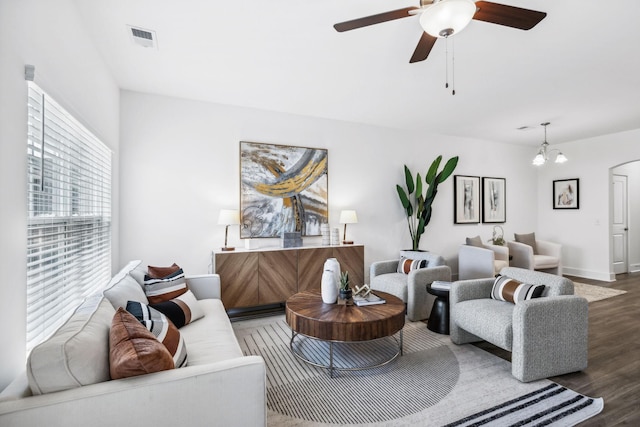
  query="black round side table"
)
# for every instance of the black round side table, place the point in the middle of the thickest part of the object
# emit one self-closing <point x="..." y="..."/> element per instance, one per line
<point x="439" y="318"/>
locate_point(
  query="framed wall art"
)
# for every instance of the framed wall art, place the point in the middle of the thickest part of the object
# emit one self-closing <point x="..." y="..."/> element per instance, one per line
<point x="566" y="194"/>
<point x="466" y="199"/>
<point x="494" y="202"/>
<point x="282" y="189"/>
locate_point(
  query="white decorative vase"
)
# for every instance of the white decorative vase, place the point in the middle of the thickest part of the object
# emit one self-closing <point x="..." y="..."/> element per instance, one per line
<point x="330" y="281"/>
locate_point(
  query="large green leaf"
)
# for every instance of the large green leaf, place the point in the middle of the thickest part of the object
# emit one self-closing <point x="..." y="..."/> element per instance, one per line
<point x="406" y="204"/>
<point x="408" y="179"/>
<point x="433" y="170"/>
<point x="418" y="186"/>
<point x="448" y="169"/>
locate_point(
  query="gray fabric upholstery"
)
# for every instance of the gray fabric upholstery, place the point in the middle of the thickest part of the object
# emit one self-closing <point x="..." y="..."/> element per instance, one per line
<point x="547" y="336"/>
<point x="410" y="288"/>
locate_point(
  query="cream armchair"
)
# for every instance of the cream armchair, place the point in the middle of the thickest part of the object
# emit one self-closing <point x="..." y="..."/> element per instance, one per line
<point x="547" y="257"/>
<point x="476" y="262"/>
<point x="410" y="288"/>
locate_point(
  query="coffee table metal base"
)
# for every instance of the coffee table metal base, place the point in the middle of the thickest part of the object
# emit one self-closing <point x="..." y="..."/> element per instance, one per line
<point x="390" y="353"/>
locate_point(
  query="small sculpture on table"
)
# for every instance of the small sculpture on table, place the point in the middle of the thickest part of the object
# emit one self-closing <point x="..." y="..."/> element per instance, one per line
<point x="362" y="291"/>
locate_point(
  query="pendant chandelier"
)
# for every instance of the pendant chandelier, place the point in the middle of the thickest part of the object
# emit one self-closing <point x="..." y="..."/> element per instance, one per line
<point x="544" y="151"/>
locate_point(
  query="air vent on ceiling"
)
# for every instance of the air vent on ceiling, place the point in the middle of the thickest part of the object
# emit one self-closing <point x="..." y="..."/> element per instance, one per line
<point x="142" y="37"/>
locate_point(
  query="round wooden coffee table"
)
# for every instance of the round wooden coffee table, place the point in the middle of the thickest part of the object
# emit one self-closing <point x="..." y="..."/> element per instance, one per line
<point x="308" y="316"/>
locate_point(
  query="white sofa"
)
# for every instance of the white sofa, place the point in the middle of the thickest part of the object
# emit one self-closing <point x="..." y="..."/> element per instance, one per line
<point x="218" y="387"/>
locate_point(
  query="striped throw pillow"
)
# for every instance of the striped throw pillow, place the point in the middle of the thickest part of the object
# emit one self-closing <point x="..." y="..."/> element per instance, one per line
<point x="407" y="265"/>
<point x="160" y="289"/>
<point x="513" y="291"/>
<point x="181" y="310"/>
<point x="163" y="329"/>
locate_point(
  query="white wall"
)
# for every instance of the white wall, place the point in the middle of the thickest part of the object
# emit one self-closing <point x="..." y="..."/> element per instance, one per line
<point x="632" y="171"/>
<point x="584" y="233"/>
<point x="49" y="35"/>
<point x="180" y="166"/>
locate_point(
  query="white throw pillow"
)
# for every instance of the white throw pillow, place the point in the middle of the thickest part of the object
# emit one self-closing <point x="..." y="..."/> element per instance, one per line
<point x="123" y="287"/>
<point x="77" y="353"/>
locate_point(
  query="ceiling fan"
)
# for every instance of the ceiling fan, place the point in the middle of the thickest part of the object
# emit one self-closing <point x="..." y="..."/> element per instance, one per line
<point x="443" y="18"/>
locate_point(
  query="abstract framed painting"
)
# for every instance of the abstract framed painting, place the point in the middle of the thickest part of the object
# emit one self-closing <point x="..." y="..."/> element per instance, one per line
<point x="282" y="188"/>
<point x="466" y="199"/>
<point x="566" y="194"/>
<point x="494" y="202"/>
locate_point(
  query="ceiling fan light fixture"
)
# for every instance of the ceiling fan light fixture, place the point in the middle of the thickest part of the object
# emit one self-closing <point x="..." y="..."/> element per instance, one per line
<point x="447" y="17"/>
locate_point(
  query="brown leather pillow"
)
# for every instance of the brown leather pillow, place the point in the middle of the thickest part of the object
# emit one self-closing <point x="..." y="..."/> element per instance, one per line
<point x="161" y="272"/>
<point x="133" y="350"/>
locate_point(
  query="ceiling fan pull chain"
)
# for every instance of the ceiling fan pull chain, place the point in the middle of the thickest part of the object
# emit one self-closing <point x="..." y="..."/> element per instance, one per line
<point x="453" y="67"/>
<point x="446" y="62"/>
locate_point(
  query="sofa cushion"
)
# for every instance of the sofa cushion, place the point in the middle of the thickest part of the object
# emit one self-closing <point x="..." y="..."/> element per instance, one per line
<point x="181" y="310"/>
<point x="511" y="290"/>
<point x="133" y="350"/>
<point x="211" y="339"/>
<point x="165" y="288"/>
<point x="406" y="265"/>
<point x="77" y="353"/>
<point x="487" y="318"/>
<point x="527" y="239"/>
<point x="123" y="287"/>
<point x="392" y="283"/>
<point x="163" y="329"/>
<point x="475" y="241"/>
<point x="542" y="262"/>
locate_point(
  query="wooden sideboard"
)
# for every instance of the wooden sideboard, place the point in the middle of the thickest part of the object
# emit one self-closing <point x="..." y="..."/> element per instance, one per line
<point x="251" y="278"/>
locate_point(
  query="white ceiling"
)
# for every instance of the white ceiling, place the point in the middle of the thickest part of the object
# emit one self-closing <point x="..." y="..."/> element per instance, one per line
<point x="578" y="69"/>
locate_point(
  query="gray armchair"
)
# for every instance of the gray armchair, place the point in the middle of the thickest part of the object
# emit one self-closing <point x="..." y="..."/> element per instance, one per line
<point x="546" y="336"/>
<point x="410" y="288"/>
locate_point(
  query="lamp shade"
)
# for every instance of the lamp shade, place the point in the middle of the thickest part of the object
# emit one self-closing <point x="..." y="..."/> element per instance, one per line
<point x="447" y="17"/>
<point x="561" y="158"/>
<point x="228" y="217"/>
<point x="348" y="217"/>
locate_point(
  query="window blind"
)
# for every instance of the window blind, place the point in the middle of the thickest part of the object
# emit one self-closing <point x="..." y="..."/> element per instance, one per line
<point x="69" y="215"/>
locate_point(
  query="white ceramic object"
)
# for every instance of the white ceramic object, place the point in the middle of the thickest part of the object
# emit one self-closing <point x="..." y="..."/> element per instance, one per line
<point x="330" y="281"/>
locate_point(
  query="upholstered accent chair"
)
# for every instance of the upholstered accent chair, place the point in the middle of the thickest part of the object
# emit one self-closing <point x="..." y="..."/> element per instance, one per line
<point x="477" y="262"/>
<point x="534" y="254"/>
<point x="410" y="287"/>
<point x="546" y="336"/>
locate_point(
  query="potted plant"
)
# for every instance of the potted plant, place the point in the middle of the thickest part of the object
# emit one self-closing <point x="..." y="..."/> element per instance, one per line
<point x="498" y="236"/>
<point x="417" y="206"/>
<point x="345" y="291"/>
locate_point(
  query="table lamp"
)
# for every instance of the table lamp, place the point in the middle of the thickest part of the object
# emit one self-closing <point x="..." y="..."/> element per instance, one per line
<point x="228" y="217"/>
<point x="347" y="217"/>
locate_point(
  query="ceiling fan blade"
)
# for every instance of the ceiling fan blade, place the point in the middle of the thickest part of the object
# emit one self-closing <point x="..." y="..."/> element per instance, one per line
<point x="509" y="16"/>
<point x="373" y="19"/>
<point x="423" y="48"/>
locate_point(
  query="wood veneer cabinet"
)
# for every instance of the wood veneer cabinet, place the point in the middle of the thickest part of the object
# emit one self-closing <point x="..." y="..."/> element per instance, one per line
<point x="250" y="278"/>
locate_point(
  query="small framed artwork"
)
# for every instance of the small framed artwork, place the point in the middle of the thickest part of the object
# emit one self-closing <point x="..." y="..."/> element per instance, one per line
<point x="566" y="194"/>
<point x="494" y="206"/>
<point x="466" y="199"/>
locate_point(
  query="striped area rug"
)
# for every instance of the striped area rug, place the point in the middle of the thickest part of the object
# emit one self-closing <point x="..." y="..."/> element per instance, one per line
<point x="435" y="383"/>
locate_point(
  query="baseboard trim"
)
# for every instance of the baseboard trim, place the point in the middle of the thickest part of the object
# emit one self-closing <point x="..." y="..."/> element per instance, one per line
<point x="589" y="274"/>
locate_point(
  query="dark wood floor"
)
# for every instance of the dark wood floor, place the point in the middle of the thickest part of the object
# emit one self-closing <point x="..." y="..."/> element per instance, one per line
<point x="614" y="355"/>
